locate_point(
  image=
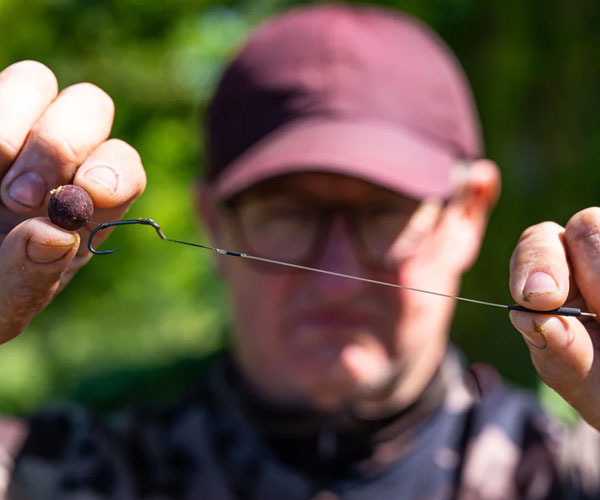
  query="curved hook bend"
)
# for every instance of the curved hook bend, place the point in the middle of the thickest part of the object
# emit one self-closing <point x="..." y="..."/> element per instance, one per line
<point x="142" y="221"/>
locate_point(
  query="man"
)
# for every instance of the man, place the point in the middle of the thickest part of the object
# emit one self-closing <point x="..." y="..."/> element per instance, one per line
<point x="343" y="139"/>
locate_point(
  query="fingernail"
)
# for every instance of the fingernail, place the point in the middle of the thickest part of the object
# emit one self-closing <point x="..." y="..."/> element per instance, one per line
<point x="105" y="176"/>
<point x="28" y="189"/>
<point x="539" y="283"/>
<point x="530" y="330"/>
<point x="47" y="252"/>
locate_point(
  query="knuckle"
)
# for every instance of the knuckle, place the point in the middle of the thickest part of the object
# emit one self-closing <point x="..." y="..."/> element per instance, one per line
<point x="133" y="160"/>
<point x="141" y="184"/>
<point x="33" y="70"/>
<point x="23" y="302"/>
<point x="540" y="231"/>
<point x="35" y="286"/>
<point x="124" y="148"/>
<point x="584" y="225"/>
<point x="92" y="93"/>
<point x="583" y="233"/>
<point x="525" y="257"/>
<point x="8" y="149"/>
<point x="60" y="148"/>
<point x="514" y="260"/>
<point x="540" y="247"/>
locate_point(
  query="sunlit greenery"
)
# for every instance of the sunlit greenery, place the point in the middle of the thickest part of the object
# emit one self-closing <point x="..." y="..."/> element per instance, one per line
<point x="142" y="317"/>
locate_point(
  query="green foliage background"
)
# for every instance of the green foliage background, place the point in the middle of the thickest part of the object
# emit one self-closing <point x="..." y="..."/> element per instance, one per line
<point x="135" y="325"/>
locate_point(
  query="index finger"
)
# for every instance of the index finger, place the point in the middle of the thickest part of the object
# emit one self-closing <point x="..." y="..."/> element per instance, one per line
<point x="582" y="238"/>
<point x="539" y="269"/>
<point x="68" y="130"/>
<point x="26" y="89"/>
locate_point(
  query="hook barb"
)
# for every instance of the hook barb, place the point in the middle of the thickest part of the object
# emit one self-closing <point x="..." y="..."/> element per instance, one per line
<point x="142" y="221"/>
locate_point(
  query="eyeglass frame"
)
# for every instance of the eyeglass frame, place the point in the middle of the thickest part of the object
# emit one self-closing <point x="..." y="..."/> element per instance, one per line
<point x="232" y="207"/>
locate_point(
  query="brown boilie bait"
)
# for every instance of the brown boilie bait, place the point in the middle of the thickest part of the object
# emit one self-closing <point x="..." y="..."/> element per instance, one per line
<point x="70" y="207"/>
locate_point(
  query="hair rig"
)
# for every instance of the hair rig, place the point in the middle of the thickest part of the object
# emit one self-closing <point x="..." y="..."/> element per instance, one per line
<point x="561" y="311"/>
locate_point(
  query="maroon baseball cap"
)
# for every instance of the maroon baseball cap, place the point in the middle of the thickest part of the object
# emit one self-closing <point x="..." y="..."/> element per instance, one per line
<point x="359" y="91"/>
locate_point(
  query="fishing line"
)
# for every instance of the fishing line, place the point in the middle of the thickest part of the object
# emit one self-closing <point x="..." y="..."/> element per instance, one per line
<point x="561" y="311"/>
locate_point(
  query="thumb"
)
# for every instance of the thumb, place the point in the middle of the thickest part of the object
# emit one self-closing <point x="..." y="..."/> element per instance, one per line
<point x="563" y="353"/>
<point x="33" y="256"/>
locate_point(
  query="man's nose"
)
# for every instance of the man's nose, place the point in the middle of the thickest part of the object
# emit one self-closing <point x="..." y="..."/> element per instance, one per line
<point x="338" y="255"/>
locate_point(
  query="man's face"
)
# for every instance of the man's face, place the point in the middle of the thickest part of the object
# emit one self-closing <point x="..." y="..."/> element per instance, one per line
<point x="325" y="341"/>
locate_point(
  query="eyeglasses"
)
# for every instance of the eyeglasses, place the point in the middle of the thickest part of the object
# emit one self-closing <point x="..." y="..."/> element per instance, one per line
<point x="294" y="227"/>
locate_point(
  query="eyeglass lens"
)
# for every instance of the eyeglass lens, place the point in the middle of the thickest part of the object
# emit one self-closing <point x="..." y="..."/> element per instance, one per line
<point x="291" y="229"/>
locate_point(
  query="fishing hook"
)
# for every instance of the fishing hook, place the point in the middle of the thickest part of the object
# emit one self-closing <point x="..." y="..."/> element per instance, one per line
<point x="561" y="311"/>
<point x="146" y="222"/>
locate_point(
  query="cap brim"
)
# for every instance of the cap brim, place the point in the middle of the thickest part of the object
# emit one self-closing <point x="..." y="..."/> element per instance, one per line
<point x="378" y="152"/>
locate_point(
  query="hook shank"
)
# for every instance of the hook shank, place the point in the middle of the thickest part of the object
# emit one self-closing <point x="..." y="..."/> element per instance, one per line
<point x="142" y="221"/>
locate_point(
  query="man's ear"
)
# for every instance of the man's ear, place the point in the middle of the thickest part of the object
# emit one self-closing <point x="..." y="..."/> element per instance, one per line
<point x="468" y="212"/>
<point x="480" y="188"/>
<point x="207" y="211"/>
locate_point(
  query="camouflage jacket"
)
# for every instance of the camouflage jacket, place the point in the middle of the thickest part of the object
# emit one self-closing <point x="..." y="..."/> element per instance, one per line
<point x="468" y="437"/>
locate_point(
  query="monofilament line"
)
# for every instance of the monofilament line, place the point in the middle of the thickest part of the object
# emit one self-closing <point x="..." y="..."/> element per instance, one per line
<point x="561" y="311"/>
<point x="333" y="273"/>
<point x="376" y="282"/>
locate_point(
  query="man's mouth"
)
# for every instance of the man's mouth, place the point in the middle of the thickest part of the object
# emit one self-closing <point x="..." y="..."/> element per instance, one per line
<point x="327" y="329"/>
<point x="332" y="320"/>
